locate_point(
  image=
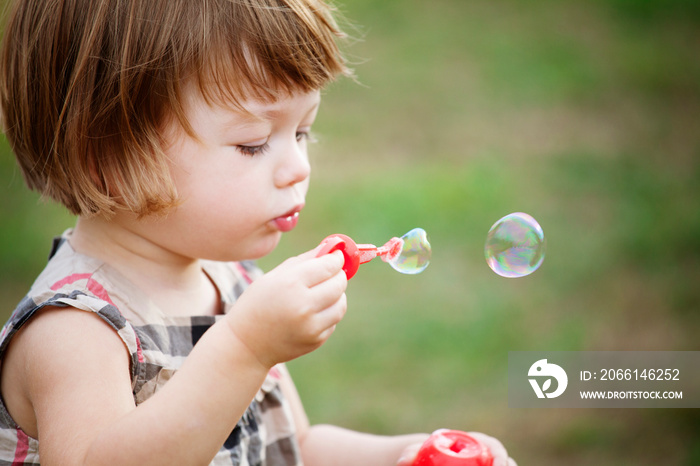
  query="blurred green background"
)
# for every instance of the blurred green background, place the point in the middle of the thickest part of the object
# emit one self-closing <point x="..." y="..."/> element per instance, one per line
<point x="584" y="114"/>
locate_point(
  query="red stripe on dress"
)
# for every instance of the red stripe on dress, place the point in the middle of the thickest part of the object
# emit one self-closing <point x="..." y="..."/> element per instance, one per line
<point x="99" y="291"/>
<point x="70" y="279"/>
<point x="139" y="351"/>
<point x="22" y="448"/>
<point x="244" y="273"/>
<point x="275" y="373"/>
<point x="92" y="285"/>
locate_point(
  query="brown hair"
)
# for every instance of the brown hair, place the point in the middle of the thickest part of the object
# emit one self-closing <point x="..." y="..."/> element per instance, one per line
<point x="85" y="85"/>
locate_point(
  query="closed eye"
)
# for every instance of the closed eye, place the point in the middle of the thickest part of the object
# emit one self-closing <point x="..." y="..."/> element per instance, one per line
<point x="250" y="151"/>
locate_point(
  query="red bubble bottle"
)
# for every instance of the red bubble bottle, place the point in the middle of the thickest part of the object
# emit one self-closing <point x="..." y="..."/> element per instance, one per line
<point x="453" y="448"/>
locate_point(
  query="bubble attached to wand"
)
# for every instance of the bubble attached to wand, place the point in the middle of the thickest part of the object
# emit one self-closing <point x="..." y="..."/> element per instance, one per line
<point x="414" y="255"/>
<point x="515" y="246"/>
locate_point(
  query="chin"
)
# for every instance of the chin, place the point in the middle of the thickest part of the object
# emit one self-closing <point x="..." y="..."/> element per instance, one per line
<point x="250" y="249"/>
<point x="264" y="246"/>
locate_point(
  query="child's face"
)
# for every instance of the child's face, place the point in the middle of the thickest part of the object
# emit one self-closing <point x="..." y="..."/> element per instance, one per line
<point x="243" y="183"/>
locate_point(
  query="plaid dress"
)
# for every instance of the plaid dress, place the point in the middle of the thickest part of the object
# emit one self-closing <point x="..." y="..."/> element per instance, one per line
<point x="158" y="345"/>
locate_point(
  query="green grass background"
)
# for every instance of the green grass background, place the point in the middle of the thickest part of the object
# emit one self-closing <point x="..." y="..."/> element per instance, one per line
<point x="584" y="114"/>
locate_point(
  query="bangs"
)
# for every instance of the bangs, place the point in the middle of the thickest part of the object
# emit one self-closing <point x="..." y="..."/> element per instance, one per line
<point x="264" y="50"/>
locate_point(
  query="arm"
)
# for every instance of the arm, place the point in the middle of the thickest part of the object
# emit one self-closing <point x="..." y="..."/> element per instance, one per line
<point x="74" y="372"/>
<point x="347" y="447"/>
<point x="326" y="444"/>
<point x="74" y="389"/>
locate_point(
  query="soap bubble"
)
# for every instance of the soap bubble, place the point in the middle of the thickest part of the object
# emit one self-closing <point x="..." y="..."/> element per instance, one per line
<point x="415" y="253"/>
<point x="515" y="245"/>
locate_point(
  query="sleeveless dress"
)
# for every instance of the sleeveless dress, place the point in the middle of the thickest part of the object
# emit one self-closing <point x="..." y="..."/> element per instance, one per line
<point x="157" y="344"/>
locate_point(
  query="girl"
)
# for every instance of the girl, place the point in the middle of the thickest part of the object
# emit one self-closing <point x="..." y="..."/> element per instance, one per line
<point x="176" y="131"/>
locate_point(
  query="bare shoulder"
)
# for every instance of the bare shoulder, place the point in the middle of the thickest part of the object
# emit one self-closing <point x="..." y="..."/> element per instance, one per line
<point x="61" y="365"/>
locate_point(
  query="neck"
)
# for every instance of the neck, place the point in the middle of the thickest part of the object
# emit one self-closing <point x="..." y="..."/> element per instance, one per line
<point x="177" y="284"/>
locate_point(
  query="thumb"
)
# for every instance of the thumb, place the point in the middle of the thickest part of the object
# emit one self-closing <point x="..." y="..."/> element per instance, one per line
<point x="408" y="456"/>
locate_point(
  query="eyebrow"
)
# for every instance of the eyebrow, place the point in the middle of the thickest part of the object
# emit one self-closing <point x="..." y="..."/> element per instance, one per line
<point x="253" y="119"/>
<point x="247" y="119"/>
<point x="244" y="120"/>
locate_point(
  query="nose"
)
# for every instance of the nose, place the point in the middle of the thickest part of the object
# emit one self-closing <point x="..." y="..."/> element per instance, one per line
<point x="293" y="167"/>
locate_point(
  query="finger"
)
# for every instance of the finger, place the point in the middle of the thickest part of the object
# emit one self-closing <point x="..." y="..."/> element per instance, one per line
<point x="495" y="447"/>
<point x="328" y="292"/>
<point x="316" y="270"/>
<point x="311" y="253"/>
<point x="332" y="315"/>
<point x="408" y="456"/>
<point x="326" y="334"/>
<point x="314" y="252"/>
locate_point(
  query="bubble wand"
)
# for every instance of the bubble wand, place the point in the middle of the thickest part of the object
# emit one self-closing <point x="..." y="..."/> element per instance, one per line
<point x="409" y="254"/>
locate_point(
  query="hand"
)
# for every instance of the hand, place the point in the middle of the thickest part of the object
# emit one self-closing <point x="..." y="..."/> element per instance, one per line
<point x="498" y="451"/>
<point x="293" y="309"/>
<point x="408" y="456"/>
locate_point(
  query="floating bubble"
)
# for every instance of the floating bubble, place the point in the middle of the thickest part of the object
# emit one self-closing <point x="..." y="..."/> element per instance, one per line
<point x="515" y="246"/>
<point x="415" y="253"/>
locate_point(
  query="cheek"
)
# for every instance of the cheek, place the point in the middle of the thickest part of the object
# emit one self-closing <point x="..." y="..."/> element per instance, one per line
<point x="225" y="202"/>
<point x="203" y="183"/>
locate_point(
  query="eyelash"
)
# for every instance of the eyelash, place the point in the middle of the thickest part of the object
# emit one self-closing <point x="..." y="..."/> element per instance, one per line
<point x="251" y="151"/>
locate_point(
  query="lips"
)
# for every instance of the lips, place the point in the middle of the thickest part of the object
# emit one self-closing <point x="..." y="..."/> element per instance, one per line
<point x="288" y="221"/>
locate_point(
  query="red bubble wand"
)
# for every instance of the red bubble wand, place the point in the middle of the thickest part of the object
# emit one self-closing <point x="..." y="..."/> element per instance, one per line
<point x="356" y="254"/>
